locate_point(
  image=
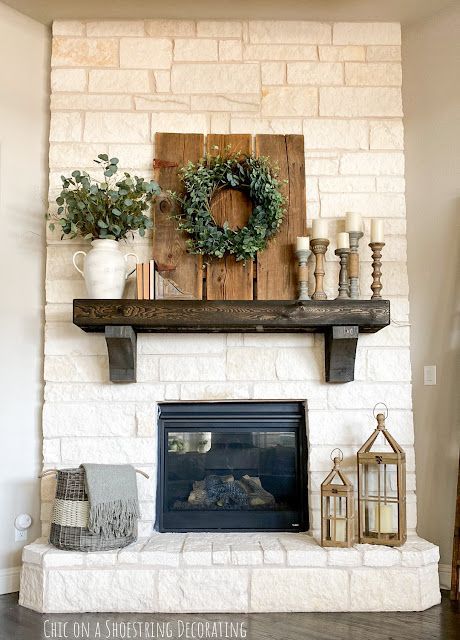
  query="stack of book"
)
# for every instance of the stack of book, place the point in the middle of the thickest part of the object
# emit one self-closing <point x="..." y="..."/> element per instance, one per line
<point x="146" y="279"/>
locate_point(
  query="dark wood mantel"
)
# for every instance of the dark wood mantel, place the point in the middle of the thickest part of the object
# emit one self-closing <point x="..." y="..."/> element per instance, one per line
<point x="340" y="321"/>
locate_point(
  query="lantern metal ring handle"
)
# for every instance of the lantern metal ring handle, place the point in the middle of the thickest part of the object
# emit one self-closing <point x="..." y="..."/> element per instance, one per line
<point x="340" y="456"/>
<point x="383" y="405"/>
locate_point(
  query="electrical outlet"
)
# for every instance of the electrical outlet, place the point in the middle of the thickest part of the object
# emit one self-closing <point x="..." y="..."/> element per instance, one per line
<point x="429" y="374"/>
<point x="20" y="535"/>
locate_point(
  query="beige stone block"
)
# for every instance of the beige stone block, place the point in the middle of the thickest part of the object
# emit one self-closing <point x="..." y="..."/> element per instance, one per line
<point x="115" y="28"/>
<point x="64" y="338"/>
<point x="373" y="74"/>
<point x="289" y="31"/>
<point x="289" y="101"/>
<point x="384" y="589"/>
<point x="145" y="53"/>
<point x="148" y="368"/>
<point x="273" y="73"/>
<point x="250" y="364"/>
<point x="91" y="102"/>
<point x="195" y="49"/>
<point x="299" y="590"/>
<point x="389" y="365"/>
<point x="246" y="553"/>
<point x="164" y="549"/>
<point x="139" y="392"/>
<point x="220" y="123"/>
<point x="377" y="53"/>
<point x="65" y="127"/>
<point x="391" y="185"/>
<point x="315" y="73"/>
<point x="317" y="165"/>
<point x="119" y="81"/>
<point x="364" y="393"/>
<point x="197" y="551"/>
<point x="117" y="127"/>
<point x="315" y="393"/>
<point x="219" y="29"/>
<point x="71" y="155"/>
<point x="270" y="341"/>
<point x="68" y="80"/>
<point x="367" y="204"/>
<point x="114" y="450"/>
<point x="387" y="134"/>
<point x="329" y="53"/>
<point x="296" y="364"/>
<point x="367" y="33"/>
<point x="76" y="369"/>
<point x="336" y="134"/>
<point x="209" y="590"/>
<point x="179" y="122"/>
<point x="362" y="163"/>
<point x="32" y="589"/>
<point x="229" y="102"/>
<point x="215" y="391"/>
<point x="230" y="50"/>
<point x="215" y="78"/>
<point x="84" y="52"/>
<point x="173" y="28"/>
<point x="68" y="28"/>
<point x="341" y="184"/>
<point x="180" y="344"/>
<point x="91" y="419"/>
<point x="137" y="156"/>
<point x="51" y="450"/>
<point x="358" y="102"/>
<point x="162" y="81"/>
<point x="193" y="369"/>
<point x="154" y="102"/>
<point x="281" y="52"/>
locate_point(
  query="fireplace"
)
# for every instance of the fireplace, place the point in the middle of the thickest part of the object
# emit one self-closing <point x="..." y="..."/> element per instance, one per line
<point x="232" y="467"/>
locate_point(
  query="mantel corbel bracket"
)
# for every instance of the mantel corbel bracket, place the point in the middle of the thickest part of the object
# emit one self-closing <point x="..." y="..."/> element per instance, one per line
<point x="340" y="353"/>
<point x="122" y="350"/>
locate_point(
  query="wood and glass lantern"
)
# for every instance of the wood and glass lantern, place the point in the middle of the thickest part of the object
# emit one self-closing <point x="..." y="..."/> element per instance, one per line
<point x="382" y="489"/>
<point x="337" y="507"/>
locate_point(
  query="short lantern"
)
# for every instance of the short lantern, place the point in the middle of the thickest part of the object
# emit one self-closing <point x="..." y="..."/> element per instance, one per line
<point x="337" y="507"/>
<point x="382" y="489"/>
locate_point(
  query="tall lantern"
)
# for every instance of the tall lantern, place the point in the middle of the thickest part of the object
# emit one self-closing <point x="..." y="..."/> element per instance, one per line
<point x="337" y="508"/>
<point x="382" y="489"/>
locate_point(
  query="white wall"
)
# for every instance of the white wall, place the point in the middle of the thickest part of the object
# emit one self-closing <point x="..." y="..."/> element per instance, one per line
<point x="431" y="93"/>
<point x="24" y="46"/>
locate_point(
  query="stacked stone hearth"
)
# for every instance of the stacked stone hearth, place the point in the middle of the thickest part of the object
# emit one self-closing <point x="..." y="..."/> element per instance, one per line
<point x="114" y="84"/>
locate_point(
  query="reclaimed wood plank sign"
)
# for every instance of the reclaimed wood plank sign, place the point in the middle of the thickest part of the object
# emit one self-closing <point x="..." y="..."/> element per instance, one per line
<point x="273" y="275"/>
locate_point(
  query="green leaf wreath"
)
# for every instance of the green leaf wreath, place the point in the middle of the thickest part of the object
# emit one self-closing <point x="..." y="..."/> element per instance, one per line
<point x="204" y="179"/>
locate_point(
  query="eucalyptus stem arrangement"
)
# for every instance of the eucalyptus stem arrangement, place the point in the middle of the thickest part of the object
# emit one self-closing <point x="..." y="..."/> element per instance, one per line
<point x="107" y="209"/>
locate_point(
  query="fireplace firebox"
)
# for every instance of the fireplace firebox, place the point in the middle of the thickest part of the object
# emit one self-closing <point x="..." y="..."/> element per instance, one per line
<point x="232" y="466"/>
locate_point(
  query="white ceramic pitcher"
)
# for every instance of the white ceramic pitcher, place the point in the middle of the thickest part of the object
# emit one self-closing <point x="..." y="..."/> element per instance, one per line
<point x="104" y="269"/>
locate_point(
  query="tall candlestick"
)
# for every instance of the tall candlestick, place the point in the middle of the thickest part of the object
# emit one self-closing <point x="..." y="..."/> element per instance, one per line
<point x="353" y="222"/>
<point x="377" y="231"/>
<point x="303" y="243"/>
<point x="376" y="285"/>
<point x="319" y="229"/>
<point x="302" y="256"/>
<point x="353" y="263"/>
<point x="344" y="285"/>
<point x="319" y="247"/>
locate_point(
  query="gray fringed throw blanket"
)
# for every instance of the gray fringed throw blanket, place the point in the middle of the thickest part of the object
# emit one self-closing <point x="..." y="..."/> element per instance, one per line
<point x="113" y="502"/>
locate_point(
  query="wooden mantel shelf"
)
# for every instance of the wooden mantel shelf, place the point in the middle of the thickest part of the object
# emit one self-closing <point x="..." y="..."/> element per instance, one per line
<point x="340" y="321"/>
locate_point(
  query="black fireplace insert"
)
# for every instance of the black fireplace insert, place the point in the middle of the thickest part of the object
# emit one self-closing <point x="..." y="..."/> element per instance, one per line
<point x="232" y="466"/>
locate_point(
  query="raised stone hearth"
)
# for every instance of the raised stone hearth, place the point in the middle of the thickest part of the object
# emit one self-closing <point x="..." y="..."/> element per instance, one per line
<point x="244" y="572"/>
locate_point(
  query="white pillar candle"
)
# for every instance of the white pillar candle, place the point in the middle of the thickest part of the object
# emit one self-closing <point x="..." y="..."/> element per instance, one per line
<point x="303" y="243"/>
<point x="386" y="518"/>
<point x="343" y="240"/>
<point x="353" y="222"/>
<point x="377" y="231"/>
<point x="341" y="530"/>
<point x="319" y="229"/>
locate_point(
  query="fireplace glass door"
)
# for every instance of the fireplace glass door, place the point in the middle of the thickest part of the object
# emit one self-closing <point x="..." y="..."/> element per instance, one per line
<point x="232" y="466"/>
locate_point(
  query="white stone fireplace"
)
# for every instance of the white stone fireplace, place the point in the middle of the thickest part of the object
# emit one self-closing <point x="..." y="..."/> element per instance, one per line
<point x="114" y="84"/>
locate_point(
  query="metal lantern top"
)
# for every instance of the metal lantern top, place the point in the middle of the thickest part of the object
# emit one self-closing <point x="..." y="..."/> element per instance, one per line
<point x="345" y="486"/>
<point x="396" y="455"/>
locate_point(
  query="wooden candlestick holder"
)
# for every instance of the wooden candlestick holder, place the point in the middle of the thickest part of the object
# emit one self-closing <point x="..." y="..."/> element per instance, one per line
<point x="302" y="257"/>
<point x="319" y="247"/>
<point x="353" y="263"/>
<point x="376" y="285"/>
<point x="344" y="284"/>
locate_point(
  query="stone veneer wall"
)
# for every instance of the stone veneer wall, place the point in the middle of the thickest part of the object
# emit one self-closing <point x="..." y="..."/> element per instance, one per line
<point x="114" y="84"/>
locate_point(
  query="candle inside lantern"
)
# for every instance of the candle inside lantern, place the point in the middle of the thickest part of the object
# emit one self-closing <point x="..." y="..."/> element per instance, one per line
<point x="319" y="229"/>
<point x="353" y="222"/>
<point x="386" y="518"/>
<point x="341" y="530"/>
<point x="303" y="243"/>
<point x="377" y="231"/>
<point x="343" y="240"/>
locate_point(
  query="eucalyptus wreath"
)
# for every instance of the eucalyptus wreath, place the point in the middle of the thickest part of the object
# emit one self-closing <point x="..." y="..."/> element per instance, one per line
<point x="203" y="180"/>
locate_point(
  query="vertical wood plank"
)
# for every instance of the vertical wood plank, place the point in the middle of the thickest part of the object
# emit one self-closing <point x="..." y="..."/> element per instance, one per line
<point x="227" y="279"/>
<point x="172" y="151"/>
<point x="276" y="266"/>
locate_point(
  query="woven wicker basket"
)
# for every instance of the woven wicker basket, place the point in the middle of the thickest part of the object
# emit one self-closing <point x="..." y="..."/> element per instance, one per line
<point x="69" y="520"/>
